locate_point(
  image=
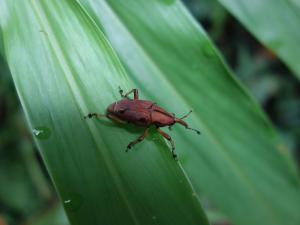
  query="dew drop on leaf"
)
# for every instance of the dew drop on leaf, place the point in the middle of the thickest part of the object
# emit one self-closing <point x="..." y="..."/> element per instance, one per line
<point x="41" y="132"/>
<point x="73" y="203"/>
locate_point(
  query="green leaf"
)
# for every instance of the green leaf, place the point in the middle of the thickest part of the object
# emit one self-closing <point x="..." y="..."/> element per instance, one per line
<point x="238" y="163"/>
<point x="63" y="68"/>
<point x="274" y="23"/>
<point x="53" y="216"/>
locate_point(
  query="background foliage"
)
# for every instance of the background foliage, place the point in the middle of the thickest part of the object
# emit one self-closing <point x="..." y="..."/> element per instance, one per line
<point x="269" y="81"/>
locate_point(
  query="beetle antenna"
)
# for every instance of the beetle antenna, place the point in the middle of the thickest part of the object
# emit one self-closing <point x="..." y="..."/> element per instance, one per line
<point x="197" y="131"/>
<point x="180" y="121"/>
<point x="186" y="115"/>
<point x="90" y="115"/>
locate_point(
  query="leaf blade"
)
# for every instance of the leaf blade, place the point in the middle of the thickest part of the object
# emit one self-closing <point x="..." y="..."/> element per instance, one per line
<point x="55" y="54"/>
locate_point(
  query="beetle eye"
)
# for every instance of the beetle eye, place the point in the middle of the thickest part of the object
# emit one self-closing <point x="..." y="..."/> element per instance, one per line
<point x="122" y="110"/>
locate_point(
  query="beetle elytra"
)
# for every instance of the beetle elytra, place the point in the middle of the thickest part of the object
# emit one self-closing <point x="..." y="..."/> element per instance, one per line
<point x="142" y="113"/>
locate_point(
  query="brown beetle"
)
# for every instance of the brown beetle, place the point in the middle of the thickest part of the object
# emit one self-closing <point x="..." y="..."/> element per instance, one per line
<point x="142" y="113"/>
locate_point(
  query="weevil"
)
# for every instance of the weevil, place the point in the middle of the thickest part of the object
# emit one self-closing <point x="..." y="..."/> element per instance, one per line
<point x="142" y="113"/>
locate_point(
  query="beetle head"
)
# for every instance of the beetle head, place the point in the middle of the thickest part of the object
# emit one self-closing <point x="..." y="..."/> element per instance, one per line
<point x="111" y="109"/>
<point x="115" y="108"/>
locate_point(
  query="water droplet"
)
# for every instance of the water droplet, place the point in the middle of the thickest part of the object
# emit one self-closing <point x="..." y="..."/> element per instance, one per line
<point x="208" y="50"/>
<point x="41" y="132"/>
<point x="73" y="203"/>
<point x="154" y="217"/>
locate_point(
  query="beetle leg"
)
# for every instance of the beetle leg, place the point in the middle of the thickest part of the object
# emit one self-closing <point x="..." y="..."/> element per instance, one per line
<point x="116" y="119"/>
<point x="90" y="115"/>
<point x="139" y="139"/>
<point x="166" y="136"/>
<point x="134" y="91"/>
<point x="121" y="92"/>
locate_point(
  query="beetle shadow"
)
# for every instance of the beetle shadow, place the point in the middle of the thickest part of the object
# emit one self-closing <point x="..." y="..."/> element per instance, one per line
<point x="153" y="135"/>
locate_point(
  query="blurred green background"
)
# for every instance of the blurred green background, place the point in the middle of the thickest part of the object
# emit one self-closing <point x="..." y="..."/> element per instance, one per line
<point x="26" y="193"/>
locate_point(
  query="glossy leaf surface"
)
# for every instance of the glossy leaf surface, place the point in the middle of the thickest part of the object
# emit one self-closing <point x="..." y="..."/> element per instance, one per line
<point x="63" y="68"/>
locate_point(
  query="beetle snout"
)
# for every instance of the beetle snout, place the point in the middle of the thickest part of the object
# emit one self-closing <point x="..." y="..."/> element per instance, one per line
<point x="111" y="108"/>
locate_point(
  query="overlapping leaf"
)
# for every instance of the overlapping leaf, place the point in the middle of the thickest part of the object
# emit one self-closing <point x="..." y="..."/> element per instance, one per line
<point x="275" y="23"/>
